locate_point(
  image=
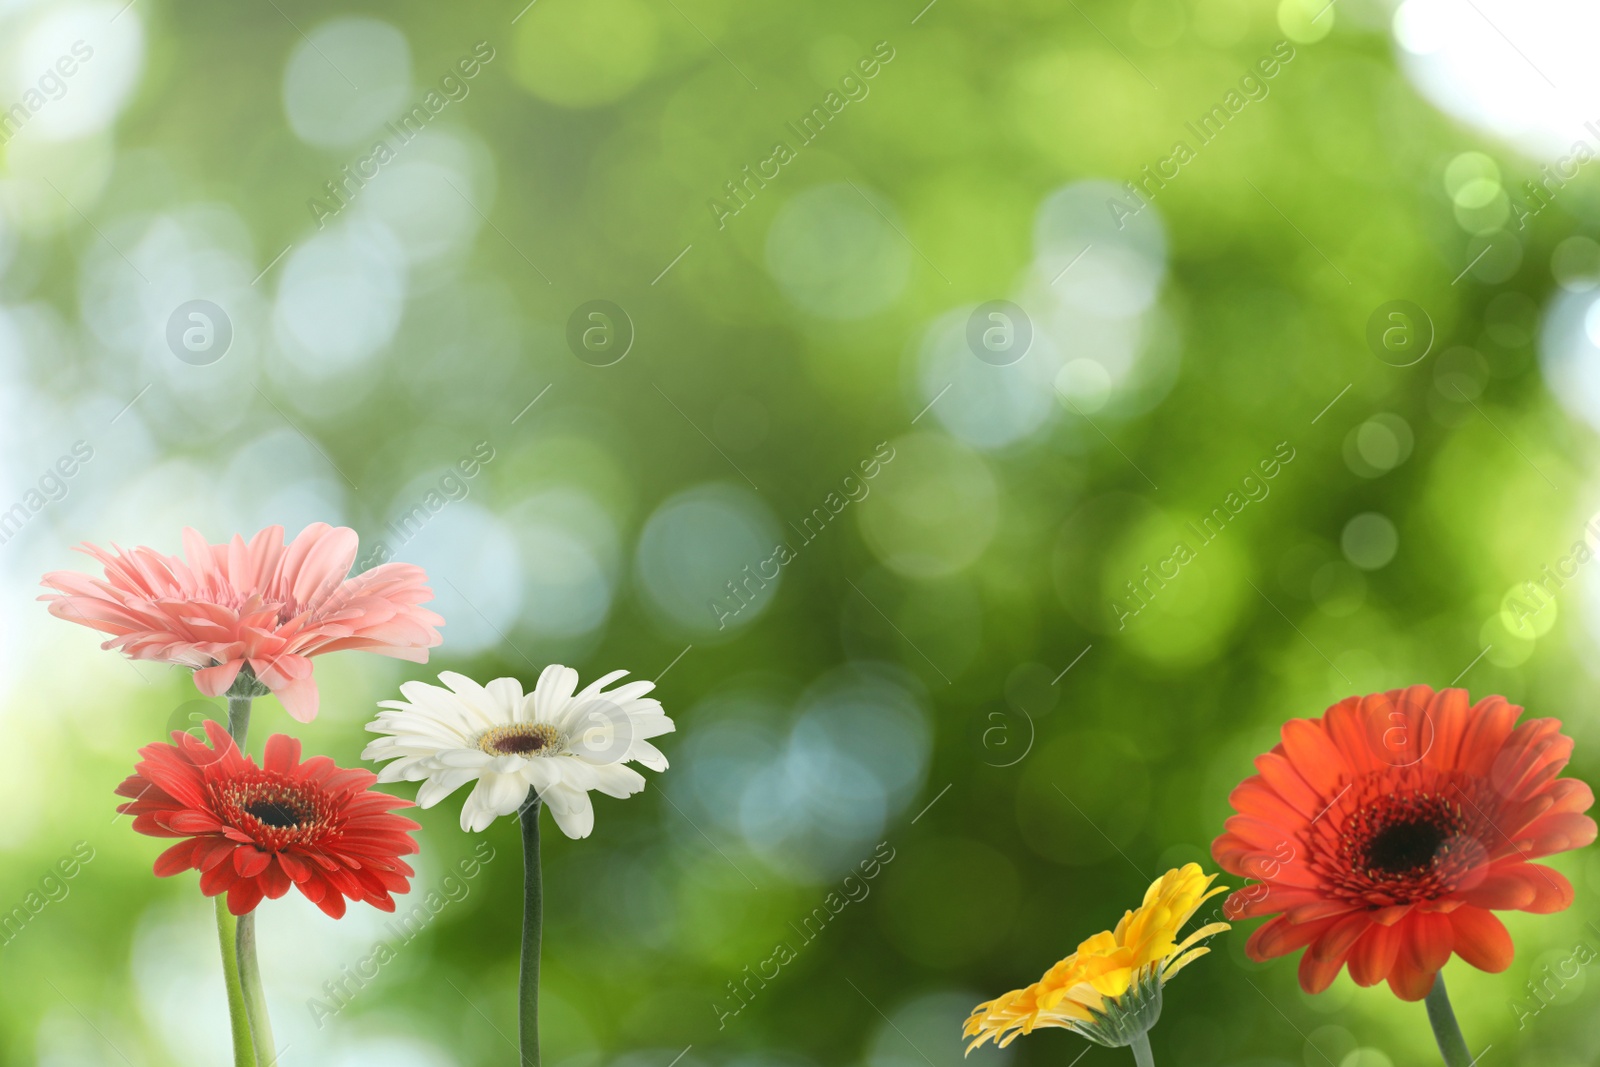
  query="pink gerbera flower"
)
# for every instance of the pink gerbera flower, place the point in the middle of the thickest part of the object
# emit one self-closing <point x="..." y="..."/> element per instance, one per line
<point x="263" y="605"/>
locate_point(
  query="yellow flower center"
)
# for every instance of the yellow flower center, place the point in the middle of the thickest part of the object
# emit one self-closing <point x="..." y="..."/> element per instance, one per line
<point x="521" y="739"/>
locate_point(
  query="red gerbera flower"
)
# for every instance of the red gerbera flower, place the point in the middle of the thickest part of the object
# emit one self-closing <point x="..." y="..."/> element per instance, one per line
<point x="254" y="831"/>
<point x="1386" y="833"/>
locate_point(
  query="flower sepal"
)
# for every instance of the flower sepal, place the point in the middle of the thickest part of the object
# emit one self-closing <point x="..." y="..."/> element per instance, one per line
<point x="1120" y="1021"/>
<point x="246" y="684"/>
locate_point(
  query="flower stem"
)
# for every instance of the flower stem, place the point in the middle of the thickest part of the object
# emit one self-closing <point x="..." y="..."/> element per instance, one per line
<point x="255" y="995"/>
<point x="243" y="1054"/>
<point x="532" y="934"/>
<point x="247" y="979"/>
<point x="1446" y="1030"/>
<point x="1141" y="1051"/>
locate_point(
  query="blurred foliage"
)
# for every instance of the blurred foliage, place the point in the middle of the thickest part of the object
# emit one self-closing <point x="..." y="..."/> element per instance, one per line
<point x="905" y="679"/>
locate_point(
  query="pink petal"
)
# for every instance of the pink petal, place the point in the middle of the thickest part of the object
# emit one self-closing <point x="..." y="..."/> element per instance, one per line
<point x="214" y="681"/>
<point x="299" y="698"/>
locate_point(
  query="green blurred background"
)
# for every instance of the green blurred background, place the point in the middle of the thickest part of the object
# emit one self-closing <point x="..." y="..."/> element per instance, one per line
<point x="902" y="687"/>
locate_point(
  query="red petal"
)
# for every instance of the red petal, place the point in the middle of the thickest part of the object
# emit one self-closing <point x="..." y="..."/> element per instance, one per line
<point x="179" y="857"/>
<point x="1314" y="756"/>
<point x="1508" y="886"/>
<point x="1488" y="725"/>
<point x="1409" y="983"/>
<point x="210" y="851"/>
<point x="217" y="879"/>
<point x="296" y="870"/>
<point x="333" y="903"/>
<point x="194" y="822"/>
<point x="1373" y="956"/>
<point x="1316" y="975"/>
<point x="1336" y="943"/>
<point x="1481" y="939"/>
<point x="1281" y="937"/>
<point x="249" y="862"/>
<point x="1426" y="938"/>
<point x="1551" y="890"/>
<point x="282" y="754"/>
<point x="1558" y="832"/>
<point x="243" y="896"/>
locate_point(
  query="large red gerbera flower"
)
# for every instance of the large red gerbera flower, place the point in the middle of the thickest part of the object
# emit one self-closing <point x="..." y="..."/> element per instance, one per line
<point x="264" y="604"/>
<point x="1386" y="833"/>
<point x="255" y="831"/>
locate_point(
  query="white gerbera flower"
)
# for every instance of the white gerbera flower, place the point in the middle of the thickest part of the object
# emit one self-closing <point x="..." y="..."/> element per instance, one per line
<point x="554" y="741"/>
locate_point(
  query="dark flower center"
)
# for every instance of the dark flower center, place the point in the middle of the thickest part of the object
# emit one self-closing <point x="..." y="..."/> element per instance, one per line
<point x="276" y="813"/>
<point x="521" y="739"/>
<point x="1404" y="846"/>
<point x="1404" y="838"/>
<point x="275" y="810"/>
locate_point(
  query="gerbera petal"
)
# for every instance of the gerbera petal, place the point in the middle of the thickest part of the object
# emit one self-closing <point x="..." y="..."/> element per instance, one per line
<point x="299" y="698"/>
<point x="178" y="858"/>
<point x="282" y="753"/>
<point x="552" y="692"/>
<point x="1317" y="973"/>
<point x="249" y="862"/>
<point x="1481" y="939"/>
<point x="576" y="816"/>
<point x="549" y="741"/>
<point x="1506" y="887"/>
<point x="1551" y="890"/>
<point x="442" y="784"/>
<point x="224" y="605"/>
<point x="214" y="681"/>
<point x="1373" y="956"/>
<point x="1279" y="937"/>
<point x="1408" y="981"/>
<point x="1427" y="810"/>
<point x="494" y="795"/>
<point x="243" y="896"/>
<point x="1427" y="940"/>
<point x="1087" y="990"/>
<point x="254" y="832"/>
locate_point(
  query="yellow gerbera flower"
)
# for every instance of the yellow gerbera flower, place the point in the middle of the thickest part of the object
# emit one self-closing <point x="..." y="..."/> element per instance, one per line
<point x="1109" y="990"/>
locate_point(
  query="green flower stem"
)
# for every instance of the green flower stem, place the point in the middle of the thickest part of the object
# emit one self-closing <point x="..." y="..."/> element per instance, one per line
<point x="243" y="1054"/>
<point x="1446" y="1030"/>
<point x="532" y="934"/>
<point x="248" y="970"/>
<point x="1141" y="1051"/>
<point x="255" y="995"/>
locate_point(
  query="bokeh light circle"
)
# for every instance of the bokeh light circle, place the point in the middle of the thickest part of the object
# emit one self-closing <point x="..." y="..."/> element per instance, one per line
<point x="834" y="254"/>
<point x="347" y="78"/>
<point x="585" y="55"/>
<point x="705" y="559"/>
<point x="934" y="510"/>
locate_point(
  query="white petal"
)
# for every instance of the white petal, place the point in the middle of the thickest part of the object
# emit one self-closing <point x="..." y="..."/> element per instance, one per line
<point x="541" y="774"/>
<point x="576" y="773"/>
<point x="507" y="696"/>
<point x="604" y="680"/>
<point x="458" y="683"/>
<point x="494" y="795"/>
<point x="506" y="792"/>
<point x="475" y="758"/>
<point x="555" y="688"/>
<point x="631" y="693"/>
<point x="647" y="755"/>
<point x="618" y="780"/>
<point x="575" y="815"/>
<point x="442" y="785"/>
